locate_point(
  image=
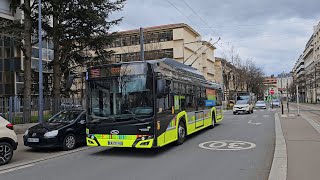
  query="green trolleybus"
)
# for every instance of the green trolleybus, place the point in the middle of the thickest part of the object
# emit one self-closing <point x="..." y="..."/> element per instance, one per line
<point x="148" y="104"/>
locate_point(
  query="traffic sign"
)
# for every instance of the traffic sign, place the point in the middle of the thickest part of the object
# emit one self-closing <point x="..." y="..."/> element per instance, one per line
<point x="271" y="91"/>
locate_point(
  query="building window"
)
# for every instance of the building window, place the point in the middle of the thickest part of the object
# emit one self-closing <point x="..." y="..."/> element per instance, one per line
<point x="50" y="55"/>
<point x="35" y="52"/>
<point x="166" y="36"/>
<point x="19" y="77"/>
<point x="35" y="64"/>
<point x="135" y="40"/>
<point x="118" y="57"/>
<point x="19" y="88"/>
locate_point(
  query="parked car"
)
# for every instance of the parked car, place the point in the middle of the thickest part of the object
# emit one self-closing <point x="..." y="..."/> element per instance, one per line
<point x="8" y="141"/>
<point x="64" y="130"/>
<point x="261" y="105"/>
<point x="275" y="103"/>
<point x="67" y="105"/>
<point x="243" y="106"/>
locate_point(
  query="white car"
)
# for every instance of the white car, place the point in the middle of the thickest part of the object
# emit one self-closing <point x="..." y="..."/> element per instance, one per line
<point x="8" y="141"/>
<point x="243" y="106"/>
<point x="275" y="103"/>
<point x="261" y="104"/>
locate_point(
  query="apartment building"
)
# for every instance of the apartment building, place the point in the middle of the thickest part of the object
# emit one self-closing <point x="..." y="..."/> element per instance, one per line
<point x="298" y="75"/>
<point x="11" y="58"/>
<point x="306" y="72"/>
<point x="177" y="41"/>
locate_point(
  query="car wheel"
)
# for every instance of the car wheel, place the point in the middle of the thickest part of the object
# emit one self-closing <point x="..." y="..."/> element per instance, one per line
<point x="234" y="113"/>
<point x="181" y="133"/>
<point x="252" y="111"/>
<point x="69" y="142"/>
<point x="6" y="153"/>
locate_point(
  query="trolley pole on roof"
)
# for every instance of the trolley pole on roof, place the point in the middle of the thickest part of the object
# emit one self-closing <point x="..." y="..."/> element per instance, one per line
<point x="141" y="44"/>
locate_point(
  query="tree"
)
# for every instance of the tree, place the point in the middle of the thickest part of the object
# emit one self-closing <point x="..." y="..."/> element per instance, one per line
<point x="21" y="31"/>
<point x="247" y="75"/>
<point x="78" y="26"/>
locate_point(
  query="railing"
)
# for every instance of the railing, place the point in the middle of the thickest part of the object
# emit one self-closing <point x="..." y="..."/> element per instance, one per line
<point x="12" y="108"/>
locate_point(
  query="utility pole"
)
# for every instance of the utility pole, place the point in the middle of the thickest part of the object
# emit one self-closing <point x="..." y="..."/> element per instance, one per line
<point x="287" y="95"/>
<point x="298" y="100"/>
<point x="282" y="94"/>
<point x="141" y="44"/>
<point x="315" y="81"/>
<point x="40" y="112"/>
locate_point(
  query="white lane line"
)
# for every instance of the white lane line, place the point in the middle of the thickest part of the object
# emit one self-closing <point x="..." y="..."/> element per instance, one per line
<point x="16" y="168"/>
<point x="9" y="166"/>
<point x="279" y="164"/>
<point x="314" y="124"/>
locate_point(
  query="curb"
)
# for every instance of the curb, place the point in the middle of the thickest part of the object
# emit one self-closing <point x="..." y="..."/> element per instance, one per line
<point x="279" y="164"/>
<point x="43" y="159"/>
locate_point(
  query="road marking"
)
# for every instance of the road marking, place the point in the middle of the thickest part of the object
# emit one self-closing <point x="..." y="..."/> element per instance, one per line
<point x="250" y="122"/>
<point x="227" y="145"/>
<point x="284" y="115"/>
<point x="16" y="168"/>
<point x="313" y="123"/>
<point x="254" y="110"/>
<point x="11" y="166"/>
<point x="265" y="116"/>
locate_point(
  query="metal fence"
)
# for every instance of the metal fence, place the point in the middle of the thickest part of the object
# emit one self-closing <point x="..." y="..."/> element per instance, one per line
<point x="12" y="108"/>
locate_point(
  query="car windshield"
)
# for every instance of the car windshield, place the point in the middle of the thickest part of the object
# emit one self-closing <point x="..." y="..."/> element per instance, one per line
<point x="260" y="102"/>
<point x="64" y="117"/>
<point x="242" y="102"/>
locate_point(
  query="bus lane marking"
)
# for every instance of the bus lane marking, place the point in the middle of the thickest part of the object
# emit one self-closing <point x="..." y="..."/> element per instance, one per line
<point x="227" y="145"/>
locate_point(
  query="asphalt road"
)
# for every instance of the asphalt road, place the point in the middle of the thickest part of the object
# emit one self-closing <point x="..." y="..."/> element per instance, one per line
<point x="228" y="160"/>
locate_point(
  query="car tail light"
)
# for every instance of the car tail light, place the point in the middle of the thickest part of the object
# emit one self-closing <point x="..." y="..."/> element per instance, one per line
<point x="9" y="126"/>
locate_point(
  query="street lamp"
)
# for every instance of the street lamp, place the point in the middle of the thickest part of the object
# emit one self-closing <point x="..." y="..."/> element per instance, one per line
<point x="40" y="112"/>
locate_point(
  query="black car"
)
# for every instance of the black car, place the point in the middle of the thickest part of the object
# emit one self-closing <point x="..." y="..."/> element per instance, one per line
<point x="64" y="130"/>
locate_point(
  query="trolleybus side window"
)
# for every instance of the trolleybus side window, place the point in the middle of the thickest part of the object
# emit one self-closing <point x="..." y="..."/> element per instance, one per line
<point x="190" y="98"/>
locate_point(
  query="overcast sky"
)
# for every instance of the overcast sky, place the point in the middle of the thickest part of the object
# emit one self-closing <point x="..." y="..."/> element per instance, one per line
<point x="272" y="33"/>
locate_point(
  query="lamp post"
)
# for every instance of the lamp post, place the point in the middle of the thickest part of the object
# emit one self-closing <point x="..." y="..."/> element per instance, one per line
<point x="40" y="112"/>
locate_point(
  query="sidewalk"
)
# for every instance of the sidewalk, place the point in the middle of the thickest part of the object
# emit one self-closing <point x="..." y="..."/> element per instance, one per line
<point x="303" y="145"/>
